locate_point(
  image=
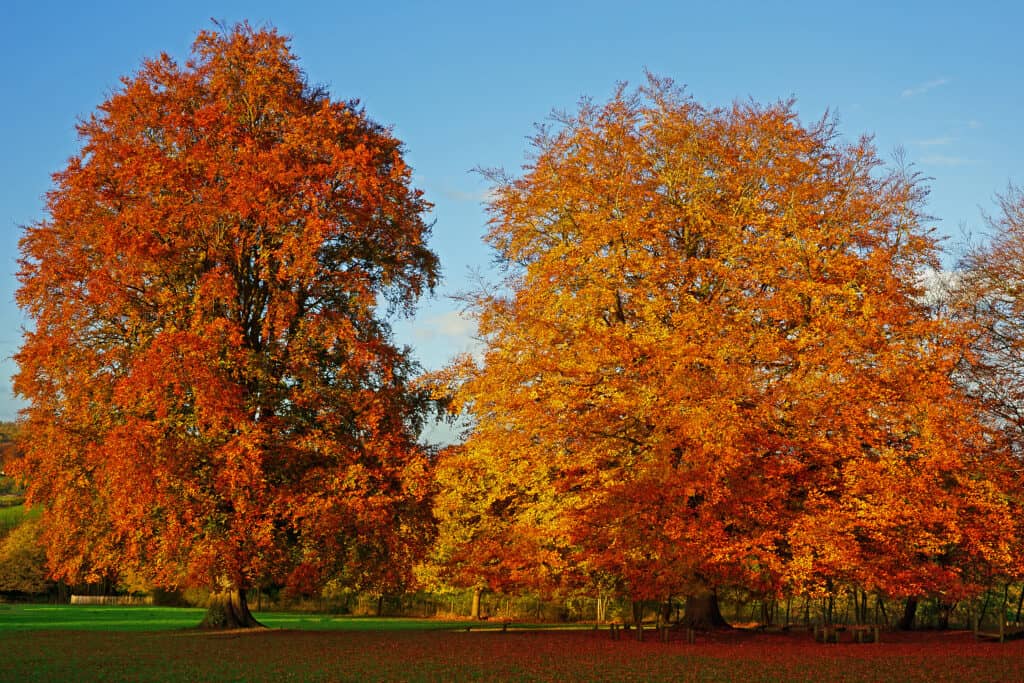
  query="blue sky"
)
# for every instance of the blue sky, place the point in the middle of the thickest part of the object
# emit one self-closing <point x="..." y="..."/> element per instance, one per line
<point x="462" y="83"/>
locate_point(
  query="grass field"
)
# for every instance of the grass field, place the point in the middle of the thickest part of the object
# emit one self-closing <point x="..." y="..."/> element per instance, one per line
<point x="12" y="516"/>
<point x="153" y="646"/>
<point x="15" y="617"/>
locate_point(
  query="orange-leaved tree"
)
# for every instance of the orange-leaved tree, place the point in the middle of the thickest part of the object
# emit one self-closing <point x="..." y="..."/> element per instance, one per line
<point x="712" y="359"/>
<point x="214" y="396"/>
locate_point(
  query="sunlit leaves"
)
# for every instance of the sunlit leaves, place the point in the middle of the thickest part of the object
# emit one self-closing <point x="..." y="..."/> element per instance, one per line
<point x="713" y="366"/>
<point x="213" y="391"/>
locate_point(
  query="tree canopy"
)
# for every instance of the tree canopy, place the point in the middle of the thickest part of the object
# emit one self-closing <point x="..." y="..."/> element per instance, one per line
<point x="712" y="364"/>
<point x="987" y="293"/>
<point x="214" y="396"/>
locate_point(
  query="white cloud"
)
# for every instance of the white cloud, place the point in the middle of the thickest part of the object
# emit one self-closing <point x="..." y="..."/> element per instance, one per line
<point x="482" y="196"/>
<point x="455" y="324"/>
<point x="942" y="288"/>
<point x="454" y="194"/>
<point x="442" y="434"/>
<point x="449" y="326"/>
<point x="924" y="87"/>
<point x="947" y="160"/>
<point x="938" y="284"/>
<point x="457" y="195"/>
<point x="935" y="142"/>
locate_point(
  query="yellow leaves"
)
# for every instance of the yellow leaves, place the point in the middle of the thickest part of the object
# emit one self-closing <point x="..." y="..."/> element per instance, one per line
<point x="712" y="339"/>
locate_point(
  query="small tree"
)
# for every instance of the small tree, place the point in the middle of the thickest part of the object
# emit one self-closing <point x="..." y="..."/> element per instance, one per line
<point x="23" y="561"/>
<point x="214" y="394"/>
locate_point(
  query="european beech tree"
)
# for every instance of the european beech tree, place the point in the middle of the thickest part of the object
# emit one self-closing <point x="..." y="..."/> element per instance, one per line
<point x="477" y="545"/>
<point x="989" y="291"/>
<point x="988" y="294"/>
<point x="214" y="394"/>
<point x="711" y="365"/>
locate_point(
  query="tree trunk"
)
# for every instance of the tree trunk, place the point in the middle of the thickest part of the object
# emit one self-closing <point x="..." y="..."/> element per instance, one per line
<point x="665" y="616"/>
<point x="638" y="613"/>
<point x="909" y="615"/>
<point x="860" y="606"/>
<point x="228" y="609"/>
<point x="475" y="610"/>
<point x="944" y="610"/>
<point x="702" y="612"/>
<point x="1020" y="604"/>
<point x="984" y="607"/>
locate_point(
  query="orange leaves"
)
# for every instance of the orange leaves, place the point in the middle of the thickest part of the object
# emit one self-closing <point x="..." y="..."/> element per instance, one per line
<point x="712" y="328"/>
<point x="207" y="359"/>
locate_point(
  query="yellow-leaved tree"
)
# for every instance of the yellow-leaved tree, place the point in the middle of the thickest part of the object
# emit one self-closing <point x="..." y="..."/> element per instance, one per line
<point x="711" y="365"/>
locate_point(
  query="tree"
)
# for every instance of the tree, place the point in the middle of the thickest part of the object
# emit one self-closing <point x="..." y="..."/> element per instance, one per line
<point x="23" y="561"/>
<point x="9" y="435"/>
<point x="710" y="361"/>
<point x="987" y="291"/>
<point x="479" y="545"/>
<point x="214" y="394"/>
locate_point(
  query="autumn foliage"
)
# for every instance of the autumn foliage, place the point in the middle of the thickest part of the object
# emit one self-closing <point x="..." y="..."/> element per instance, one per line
<point x="214" y="395"/>
<point x="712" y="364"/>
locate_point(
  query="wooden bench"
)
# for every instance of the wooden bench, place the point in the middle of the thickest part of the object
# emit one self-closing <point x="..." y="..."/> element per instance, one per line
<point x="112" y="600"/>
<point x="1001" y="631"/>
<point x="860" y="633"/>
<point x="618" y="627"/>
<point x="615" y="629"/>
<point x="864" y="633"/>
<point x="827" y="634"/>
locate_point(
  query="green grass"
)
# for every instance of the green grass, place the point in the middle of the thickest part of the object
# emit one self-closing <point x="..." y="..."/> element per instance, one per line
<point x="99" y="618"/>
<point x="14" y="515"/>
<point x="318" y="622"/>
<point x="17" y="617"/>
